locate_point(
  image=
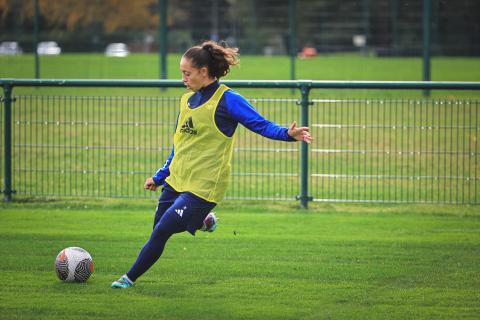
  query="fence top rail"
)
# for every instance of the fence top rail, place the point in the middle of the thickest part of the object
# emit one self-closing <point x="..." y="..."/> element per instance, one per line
<point x="301" y="84"/>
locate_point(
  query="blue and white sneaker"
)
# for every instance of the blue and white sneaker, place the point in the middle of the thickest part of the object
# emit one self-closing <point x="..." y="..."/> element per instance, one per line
<point x="210" y="222"/>
<point x="123" y="283"/>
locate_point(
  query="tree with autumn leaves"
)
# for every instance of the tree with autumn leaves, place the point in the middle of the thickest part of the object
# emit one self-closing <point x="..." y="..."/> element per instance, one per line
<point x="71" y="15"/>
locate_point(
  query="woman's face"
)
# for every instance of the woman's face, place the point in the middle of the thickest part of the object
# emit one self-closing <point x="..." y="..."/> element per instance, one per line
<point x="193" y="78"/>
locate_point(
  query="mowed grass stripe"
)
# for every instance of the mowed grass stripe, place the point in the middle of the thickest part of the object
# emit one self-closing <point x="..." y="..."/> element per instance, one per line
<point x="323" y="67"/>
<point x="281" y="263"/>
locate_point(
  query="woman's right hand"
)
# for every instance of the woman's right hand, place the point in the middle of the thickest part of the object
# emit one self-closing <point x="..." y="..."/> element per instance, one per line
<point x="150" y="184"/>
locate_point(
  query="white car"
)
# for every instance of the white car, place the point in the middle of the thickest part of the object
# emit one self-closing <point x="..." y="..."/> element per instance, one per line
<point x="10" y="48"/>
<point x="117" y="50"/>
<point x="48" y="48"/>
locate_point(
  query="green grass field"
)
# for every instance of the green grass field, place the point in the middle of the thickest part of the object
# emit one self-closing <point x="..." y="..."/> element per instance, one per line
<point x="266" y="260"/>
<point x="263" y="262"/>
<point x="323" y="67"/>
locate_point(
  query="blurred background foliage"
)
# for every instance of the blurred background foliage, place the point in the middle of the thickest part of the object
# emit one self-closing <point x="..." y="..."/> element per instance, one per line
<point x="385" y="27"/>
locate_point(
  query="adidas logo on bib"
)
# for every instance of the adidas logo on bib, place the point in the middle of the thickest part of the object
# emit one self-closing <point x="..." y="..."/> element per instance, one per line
<point x="187" y="127"/>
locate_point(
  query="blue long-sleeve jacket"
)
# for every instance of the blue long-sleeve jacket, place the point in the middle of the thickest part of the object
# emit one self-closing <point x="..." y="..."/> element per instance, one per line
<point x="232" y="110"/>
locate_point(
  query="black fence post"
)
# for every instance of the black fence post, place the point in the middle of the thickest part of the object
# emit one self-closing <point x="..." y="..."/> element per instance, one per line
<point x="292" y="20"/>
<point x="7" y="100"/>
<point x="427" y="8"/>
<point x="36" y="27"/>
<point x="304" y="197"/>
<point x="162" y="31"/>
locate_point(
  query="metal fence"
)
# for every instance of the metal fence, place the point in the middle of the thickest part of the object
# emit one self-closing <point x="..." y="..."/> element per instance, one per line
<point x="396" y="151"/>
<point x="365" y="150"/>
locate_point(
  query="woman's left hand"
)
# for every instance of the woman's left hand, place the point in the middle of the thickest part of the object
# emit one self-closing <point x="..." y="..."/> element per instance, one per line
<point x="299" y="133"/>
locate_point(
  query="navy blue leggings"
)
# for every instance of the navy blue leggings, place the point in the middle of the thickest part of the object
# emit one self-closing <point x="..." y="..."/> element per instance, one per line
<point x="176" y="212"/>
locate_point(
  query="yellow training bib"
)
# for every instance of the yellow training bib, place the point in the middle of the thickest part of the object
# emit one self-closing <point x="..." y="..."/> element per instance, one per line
<point x="202" y="153"/>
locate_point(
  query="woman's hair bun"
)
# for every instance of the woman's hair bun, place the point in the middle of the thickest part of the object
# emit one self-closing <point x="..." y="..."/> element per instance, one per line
<point x="217" y="57"/>
<point x="208" y="47"/>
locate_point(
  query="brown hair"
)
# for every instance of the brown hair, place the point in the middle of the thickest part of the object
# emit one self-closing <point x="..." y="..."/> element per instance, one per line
<point x="216" y="57"/>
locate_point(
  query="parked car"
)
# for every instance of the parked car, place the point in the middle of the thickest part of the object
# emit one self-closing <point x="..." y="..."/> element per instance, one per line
<point x="117" y="50"/>
<point x="10" y="48"/>
<point x="48" y="48"/>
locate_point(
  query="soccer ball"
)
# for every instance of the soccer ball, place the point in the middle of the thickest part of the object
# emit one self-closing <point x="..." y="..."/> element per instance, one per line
<point x="74" y="264"/>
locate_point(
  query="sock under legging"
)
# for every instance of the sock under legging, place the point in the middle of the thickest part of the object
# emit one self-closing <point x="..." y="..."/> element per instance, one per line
<point x="153" y="248"/>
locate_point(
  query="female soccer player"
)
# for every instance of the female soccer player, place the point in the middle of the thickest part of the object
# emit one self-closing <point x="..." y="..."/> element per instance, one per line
<point x="196" y="174"/>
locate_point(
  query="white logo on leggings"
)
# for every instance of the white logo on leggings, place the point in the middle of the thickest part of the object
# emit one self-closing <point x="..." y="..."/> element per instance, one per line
<point x="179" y="212"/>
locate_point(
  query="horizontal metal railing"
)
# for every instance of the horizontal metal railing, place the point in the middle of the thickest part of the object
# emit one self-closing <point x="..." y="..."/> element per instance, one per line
<point x="283" y="84"/>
